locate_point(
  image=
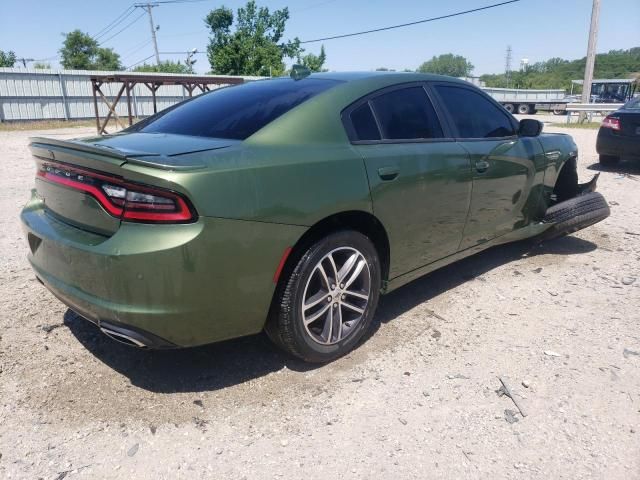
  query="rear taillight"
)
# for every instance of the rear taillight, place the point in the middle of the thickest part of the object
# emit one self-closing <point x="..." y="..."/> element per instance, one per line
<point x="122" y="199"/>
<point x="611" y="122"/>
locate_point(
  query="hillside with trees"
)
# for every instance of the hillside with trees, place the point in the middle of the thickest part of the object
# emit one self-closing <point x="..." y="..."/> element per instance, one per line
<point x="447" y="64"/>
<point x="558" y="73"/>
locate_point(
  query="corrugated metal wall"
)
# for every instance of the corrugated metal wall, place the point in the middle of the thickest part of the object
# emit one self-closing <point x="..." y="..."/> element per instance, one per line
<point x="29" y="94"/>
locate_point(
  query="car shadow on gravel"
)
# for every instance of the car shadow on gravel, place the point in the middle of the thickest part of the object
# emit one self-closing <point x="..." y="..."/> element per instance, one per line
<point x="471" y="269"/>
<point x="198" y="369"/>
<point x="626" y="166"/>
<point x="229" y="363"/>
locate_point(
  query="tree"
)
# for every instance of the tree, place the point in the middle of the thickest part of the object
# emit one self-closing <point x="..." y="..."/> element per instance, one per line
<point x="81" y="52"/>
<point x="558" y="72"/>
<point x="42" y="66"/>
<point x="314" y="62"/>
<point x="253" y="46"/>
<point x="7" y="59"/>
<point x="165" y="67"/>
<point x="447" y="64"/>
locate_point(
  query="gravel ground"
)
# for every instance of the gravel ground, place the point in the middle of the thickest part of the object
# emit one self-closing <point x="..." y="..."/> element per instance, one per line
<point x="417" y="400"/>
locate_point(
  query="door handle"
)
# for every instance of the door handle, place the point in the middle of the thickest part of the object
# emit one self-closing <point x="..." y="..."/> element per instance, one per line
<point x="388" y="173"/>
<point x="482" y="166"/>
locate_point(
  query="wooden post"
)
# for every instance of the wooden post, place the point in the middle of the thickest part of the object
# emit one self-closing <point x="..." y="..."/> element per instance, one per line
<point x="153" y="94"/>
<point x="153" y="87"/>
<point x="128" y="88"/>
<point x="112" y="109"/>
<point x="95" y="104"/>
<point x="591" y="56"/>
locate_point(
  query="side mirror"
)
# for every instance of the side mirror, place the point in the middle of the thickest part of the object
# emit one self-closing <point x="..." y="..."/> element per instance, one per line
<point x="529" y="128"/>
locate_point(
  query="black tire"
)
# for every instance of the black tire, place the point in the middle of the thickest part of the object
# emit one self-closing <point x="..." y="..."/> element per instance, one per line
<point x="575" y="214"/>
<point x="523" y="109"/>
<point x="286" y="326"/>
<point x="609" y="160"/>
<point x="558" y="111"/>
<point x="509" y="107"/>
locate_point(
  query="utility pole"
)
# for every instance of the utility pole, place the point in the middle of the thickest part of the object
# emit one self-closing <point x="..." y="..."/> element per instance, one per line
<point x="591" y="56"/>
<point x="507" y="65"/>
<point x="189" y="62"/>
<point x="147" y="7"/>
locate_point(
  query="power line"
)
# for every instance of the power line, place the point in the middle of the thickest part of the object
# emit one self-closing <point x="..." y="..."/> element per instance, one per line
<point x="123" y="28"/>
<point x="119" y="19"/>
<point x="55" y="57"/>
<point x="136" y="49"/>
<point x="139" y="62"/>
<point x="408" y="24"/>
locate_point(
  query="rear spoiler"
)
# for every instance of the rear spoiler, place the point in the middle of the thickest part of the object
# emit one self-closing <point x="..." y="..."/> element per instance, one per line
<point x="42" y="142"/>
<point x="154" y="160"/>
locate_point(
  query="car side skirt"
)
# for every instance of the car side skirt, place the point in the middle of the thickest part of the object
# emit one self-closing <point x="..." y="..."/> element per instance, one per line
<point x="529" y="231"/>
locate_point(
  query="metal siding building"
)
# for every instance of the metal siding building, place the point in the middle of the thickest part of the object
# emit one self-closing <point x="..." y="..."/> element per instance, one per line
<point x="30" y="94"/>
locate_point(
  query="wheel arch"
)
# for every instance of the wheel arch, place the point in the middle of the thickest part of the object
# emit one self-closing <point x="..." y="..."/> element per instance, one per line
<point x="565" y="185"/>
<point x="358" y="220"/>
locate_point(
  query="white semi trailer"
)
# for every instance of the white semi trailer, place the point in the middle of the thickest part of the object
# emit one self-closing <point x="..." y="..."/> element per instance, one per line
<point x="521" y="101"/>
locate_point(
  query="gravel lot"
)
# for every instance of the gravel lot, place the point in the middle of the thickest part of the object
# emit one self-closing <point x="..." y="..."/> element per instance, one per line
<point x="416" y="400"/>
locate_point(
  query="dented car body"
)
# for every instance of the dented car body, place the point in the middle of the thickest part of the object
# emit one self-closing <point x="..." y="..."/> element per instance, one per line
<point x="173" y="234"/>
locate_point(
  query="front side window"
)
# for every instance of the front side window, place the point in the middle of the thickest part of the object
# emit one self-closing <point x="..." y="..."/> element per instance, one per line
<point x="406" y="114"/>
<point x="235" y="112"/>
<point x="473" y="115"/>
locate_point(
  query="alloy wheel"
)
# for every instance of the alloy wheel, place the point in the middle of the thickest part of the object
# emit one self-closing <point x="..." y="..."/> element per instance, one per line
<point x="336" y="295"/>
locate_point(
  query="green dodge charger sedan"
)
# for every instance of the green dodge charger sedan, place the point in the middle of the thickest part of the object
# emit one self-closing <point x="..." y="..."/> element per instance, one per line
<point x="289" y="205"/>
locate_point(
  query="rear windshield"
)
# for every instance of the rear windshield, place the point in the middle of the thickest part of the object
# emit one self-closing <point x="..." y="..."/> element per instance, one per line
<point x="234" y="112"/>
<point x="633" y="104"/>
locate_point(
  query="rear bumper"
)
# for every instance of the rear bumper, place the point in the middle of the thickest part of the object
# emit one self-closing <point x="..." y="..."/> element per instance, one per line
<point x="609" y="143"/>
<point x="171" y="285"/>
<point x="89" y="309"/>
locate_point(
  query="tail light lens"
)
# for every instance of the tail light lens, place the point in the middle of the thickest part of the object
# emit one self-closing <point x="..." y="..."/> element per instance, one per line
<point x="611" y="122"/>
<point x="122" y="199"/>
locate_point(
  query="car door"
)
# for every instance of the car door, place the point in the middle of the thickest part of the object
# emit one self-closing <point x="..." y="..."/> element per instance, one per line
<point x="504" y="165"/>
<point x="420" y="180"/>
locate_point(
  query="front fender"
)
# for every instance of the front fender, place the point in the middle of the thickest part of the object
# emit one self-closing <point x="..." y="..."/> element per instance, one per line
<point x="558" y="150"/>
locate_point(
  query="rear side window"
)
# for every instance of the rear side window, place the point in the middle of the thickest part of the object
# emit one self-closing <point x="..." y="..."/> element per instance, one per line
<point x="364" y="124"/>
<point x="406" y="114"/>
<point x="235" y="112"/>
<point x="473" y="115"/>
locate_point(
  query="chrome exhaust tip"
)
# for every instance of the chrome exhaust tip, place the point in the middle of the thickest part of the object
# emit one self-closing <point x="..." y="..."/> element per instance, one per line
<point x="123" y="338"/>
<point x="133" y="336"/>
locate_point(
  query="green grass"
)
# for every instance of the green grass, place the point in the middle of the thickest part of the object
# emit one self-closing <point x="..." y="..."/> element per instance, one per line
<point x="585" y="125"/>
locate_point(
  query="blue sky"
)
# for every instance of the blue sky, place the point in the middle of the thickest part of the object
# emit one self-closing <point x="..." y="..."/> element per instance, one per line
<point x="536" y="29"/>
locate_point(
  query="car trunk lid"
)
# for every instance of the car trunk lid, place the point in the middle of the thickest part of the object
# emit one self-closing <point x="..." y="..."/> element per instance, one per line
<point x="629" y="123"/>
<point x="70" y="172"/>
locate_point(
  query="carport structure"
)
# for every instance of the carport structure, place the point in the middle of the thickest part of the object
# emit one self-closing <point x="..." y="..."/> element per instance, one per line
<point x="152" y="82"/>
